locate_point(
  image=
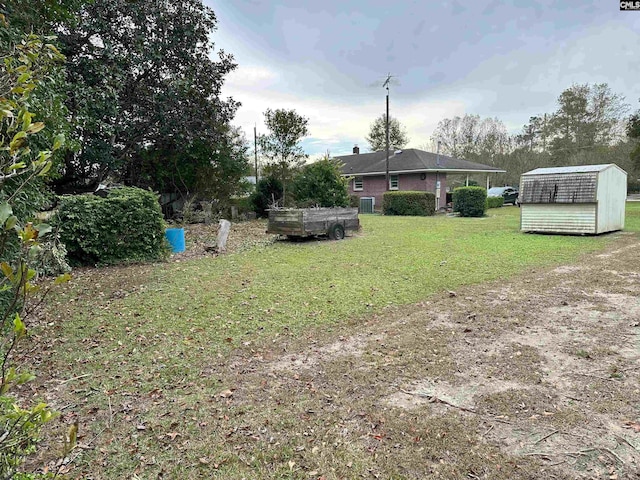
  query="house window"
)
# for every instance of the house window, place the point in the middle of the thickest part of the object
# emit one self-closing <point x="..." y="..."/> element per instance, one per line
<point x="393" y="182"/>
<point x="358" y="184"/>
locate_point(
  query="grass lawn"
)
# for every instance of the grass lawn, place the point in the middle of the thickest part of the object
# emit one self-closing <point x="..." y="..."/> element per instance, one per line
<point x="132" y="331"/>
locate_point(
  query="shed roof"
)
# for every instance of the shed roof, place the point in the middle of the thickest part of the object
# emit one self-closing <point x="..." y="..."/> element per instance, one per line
<point x="557" y="188"/>
<point x="572" y="169"/>
<point x="409" y="160"/>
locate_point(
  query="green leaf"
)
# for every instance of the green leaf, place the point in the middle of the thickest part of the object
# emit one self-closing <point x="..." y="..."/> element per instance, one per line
<point x="17" y="166"/>
<point x="45" y="169"/>
<point x="35" y="127"/>
<point x="18" y="327"/>
<point x="18" y="136"/>
<point x="26" y="120"/>
<point x="59" y="141"/>
<point x="64" y="278"/>
<point x="43" y="229"/>
<point x="5" y="212"/>
<point x="12" y="221"/>
<point x="24" y="77"/>
<point x="7" y="270"/>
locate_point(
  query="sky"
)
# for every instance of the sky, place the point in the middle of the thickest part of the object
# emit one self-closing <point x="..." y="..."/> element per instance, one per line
<point x="327" y="59"/>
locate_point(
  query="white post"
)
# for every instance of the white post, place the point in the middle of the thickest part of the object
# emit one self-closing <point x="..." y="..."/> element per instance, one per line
<point x="223" y="233"/>
<point x="487" y="181"/>
<point x="467" y="182"/>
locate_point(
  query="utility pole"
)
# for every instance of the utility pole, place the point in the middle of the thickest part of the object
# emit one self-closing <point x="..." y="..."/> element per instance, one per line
<point x="386" y="85"/>
<point x="255" y="151"/>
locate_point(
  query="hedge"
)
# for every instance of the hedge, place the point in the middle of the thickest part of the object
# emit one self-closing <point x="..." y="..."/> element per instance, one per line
<point x="408" y="203"/>
<point x="495" y="202"/>
<point x="124" y="226"/>
<point x="354" y="201"/>
<point x="470" y="201"/>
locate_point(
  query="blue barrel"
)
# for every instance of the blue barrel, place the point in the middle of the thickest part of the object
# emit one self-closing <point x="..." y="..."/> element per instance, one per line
<point x="175" y="236"/>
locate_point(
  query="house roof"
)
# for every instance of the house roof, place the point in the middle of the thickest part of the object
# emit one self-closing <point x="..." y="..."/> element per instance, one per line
<point x="573" y="169"/>
<point x="409" y="160"/>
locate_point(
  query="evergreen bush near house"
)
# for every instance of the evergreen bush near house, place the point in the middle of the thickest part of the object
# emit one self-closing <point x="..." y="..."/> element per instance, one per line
<point x="408" y="203"/>
<point x="125" y="226"/>
<point x="321" y="184"/>
<point x="495" y="202"/>
<point x="268" y="190"/>
<point x="354" y="201"/>
<point x="470" y="201"/>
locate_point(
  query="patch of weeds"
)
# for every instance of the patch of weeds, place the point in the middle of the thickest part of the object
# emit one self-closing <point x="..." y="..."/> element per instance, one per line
<point x="567" y="417"/>
<point x="614" y="371"/>
<point x="614" y="397"/>
<point x="415" y="351"/>
<point x="584" y="354"/>
<point x="517" y="362"/>
<point x="447" y="448"/>
<point x="518" y="403"/>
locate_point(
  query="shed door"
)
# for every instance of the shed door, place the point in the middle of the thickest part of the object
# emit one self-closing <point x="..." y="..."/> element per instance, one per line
<point x="367" y="204"/>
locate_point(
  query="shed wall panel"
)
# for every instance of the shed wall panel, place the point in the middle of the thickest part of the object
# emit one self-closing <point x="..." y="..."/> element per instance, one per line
<point x="579" y="218"/>
<point x="612" y="197"/>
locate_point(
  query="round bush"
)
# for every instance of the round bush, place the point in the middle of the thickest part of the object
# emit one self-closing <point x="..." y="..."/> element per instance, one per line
<point x="470" y="201"/>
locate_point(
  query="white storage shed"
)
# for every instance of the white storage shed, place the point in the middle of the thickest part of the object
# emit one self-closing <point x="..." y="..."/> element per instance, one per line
<point x="587" y="199"/>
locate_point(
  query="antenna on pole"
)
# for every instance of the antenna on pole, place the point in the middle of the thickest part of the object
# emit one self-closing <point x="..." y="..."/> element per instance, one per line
<point x="386" y="85"/>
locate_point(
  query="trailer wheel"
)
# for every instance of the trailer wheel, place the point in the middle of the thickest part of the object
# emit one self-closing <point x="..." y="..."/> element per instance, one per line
<point x="336" y="232"/>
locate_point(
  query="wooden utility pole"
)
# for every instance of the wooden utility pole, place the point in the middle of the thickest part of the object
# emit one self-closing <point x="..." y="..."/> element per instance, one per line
<point x="386" y="85"/>
<point x="255" y="150"/>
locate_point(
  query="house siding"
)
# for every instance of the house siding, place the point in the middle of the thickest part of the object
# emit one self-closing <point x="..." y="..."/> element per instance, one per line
<point x="375" y="185"/>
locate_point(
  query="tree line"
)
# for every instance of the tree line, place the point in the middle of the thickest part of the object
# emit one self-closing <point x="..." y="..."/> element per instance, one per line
<point x="590" y="125"/>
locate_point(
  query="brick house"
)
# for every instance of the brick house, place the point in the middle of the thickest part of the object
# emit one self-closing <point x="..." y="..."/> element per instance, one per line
<point x="409" y="169"/>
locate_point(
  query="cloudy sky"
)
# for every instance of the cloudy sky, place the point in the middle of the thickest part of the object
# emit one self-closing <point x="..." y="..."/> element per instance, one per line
<point x="327" y="60"/>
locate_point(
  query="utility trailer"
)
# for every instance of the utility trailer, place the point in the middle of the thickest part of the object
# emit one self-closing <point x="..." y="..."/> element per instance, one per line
<point x="306" y="222"/>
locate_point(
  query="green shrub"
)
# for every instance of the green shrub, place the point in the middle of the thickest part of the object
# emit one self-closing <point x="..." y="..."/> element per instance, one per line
<point x="495" y="202"/>
<point x="321" y="184"/>
<point x="408" y="203"/>
<point x="268" y="189"/>
<point x="354" y="201"/>
<point x="470" y="201"/>
<point x="125" y="226"/>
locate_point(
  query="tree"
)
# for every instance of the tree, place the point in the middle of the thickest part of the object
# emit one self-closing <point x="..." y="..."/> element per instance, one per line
<point x="26" y="63"/>
<point x="377" y="137"/>
<point x="633" y="131"/>
<point x="281" y="146"/>
<point x="588" y="116"/>
<point x="472" y="138"/>
<point x="321" y="184"/>
<point x="203" y="170"/>
<point x="142" y="76"/>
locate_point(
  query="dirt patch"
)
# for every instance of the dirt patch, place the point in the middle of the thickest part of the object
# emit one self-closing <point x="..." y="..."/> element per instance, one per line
<point x="543" y="371"/>
<point x="316" y="355"/>
<point x="200" y="238"/>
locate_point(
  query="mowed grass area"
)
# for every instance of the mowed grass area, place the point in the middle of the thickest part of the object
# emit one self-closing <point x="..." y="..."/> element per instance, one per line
<point x="147" y="340"/>
<point x="393" y="261"/>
